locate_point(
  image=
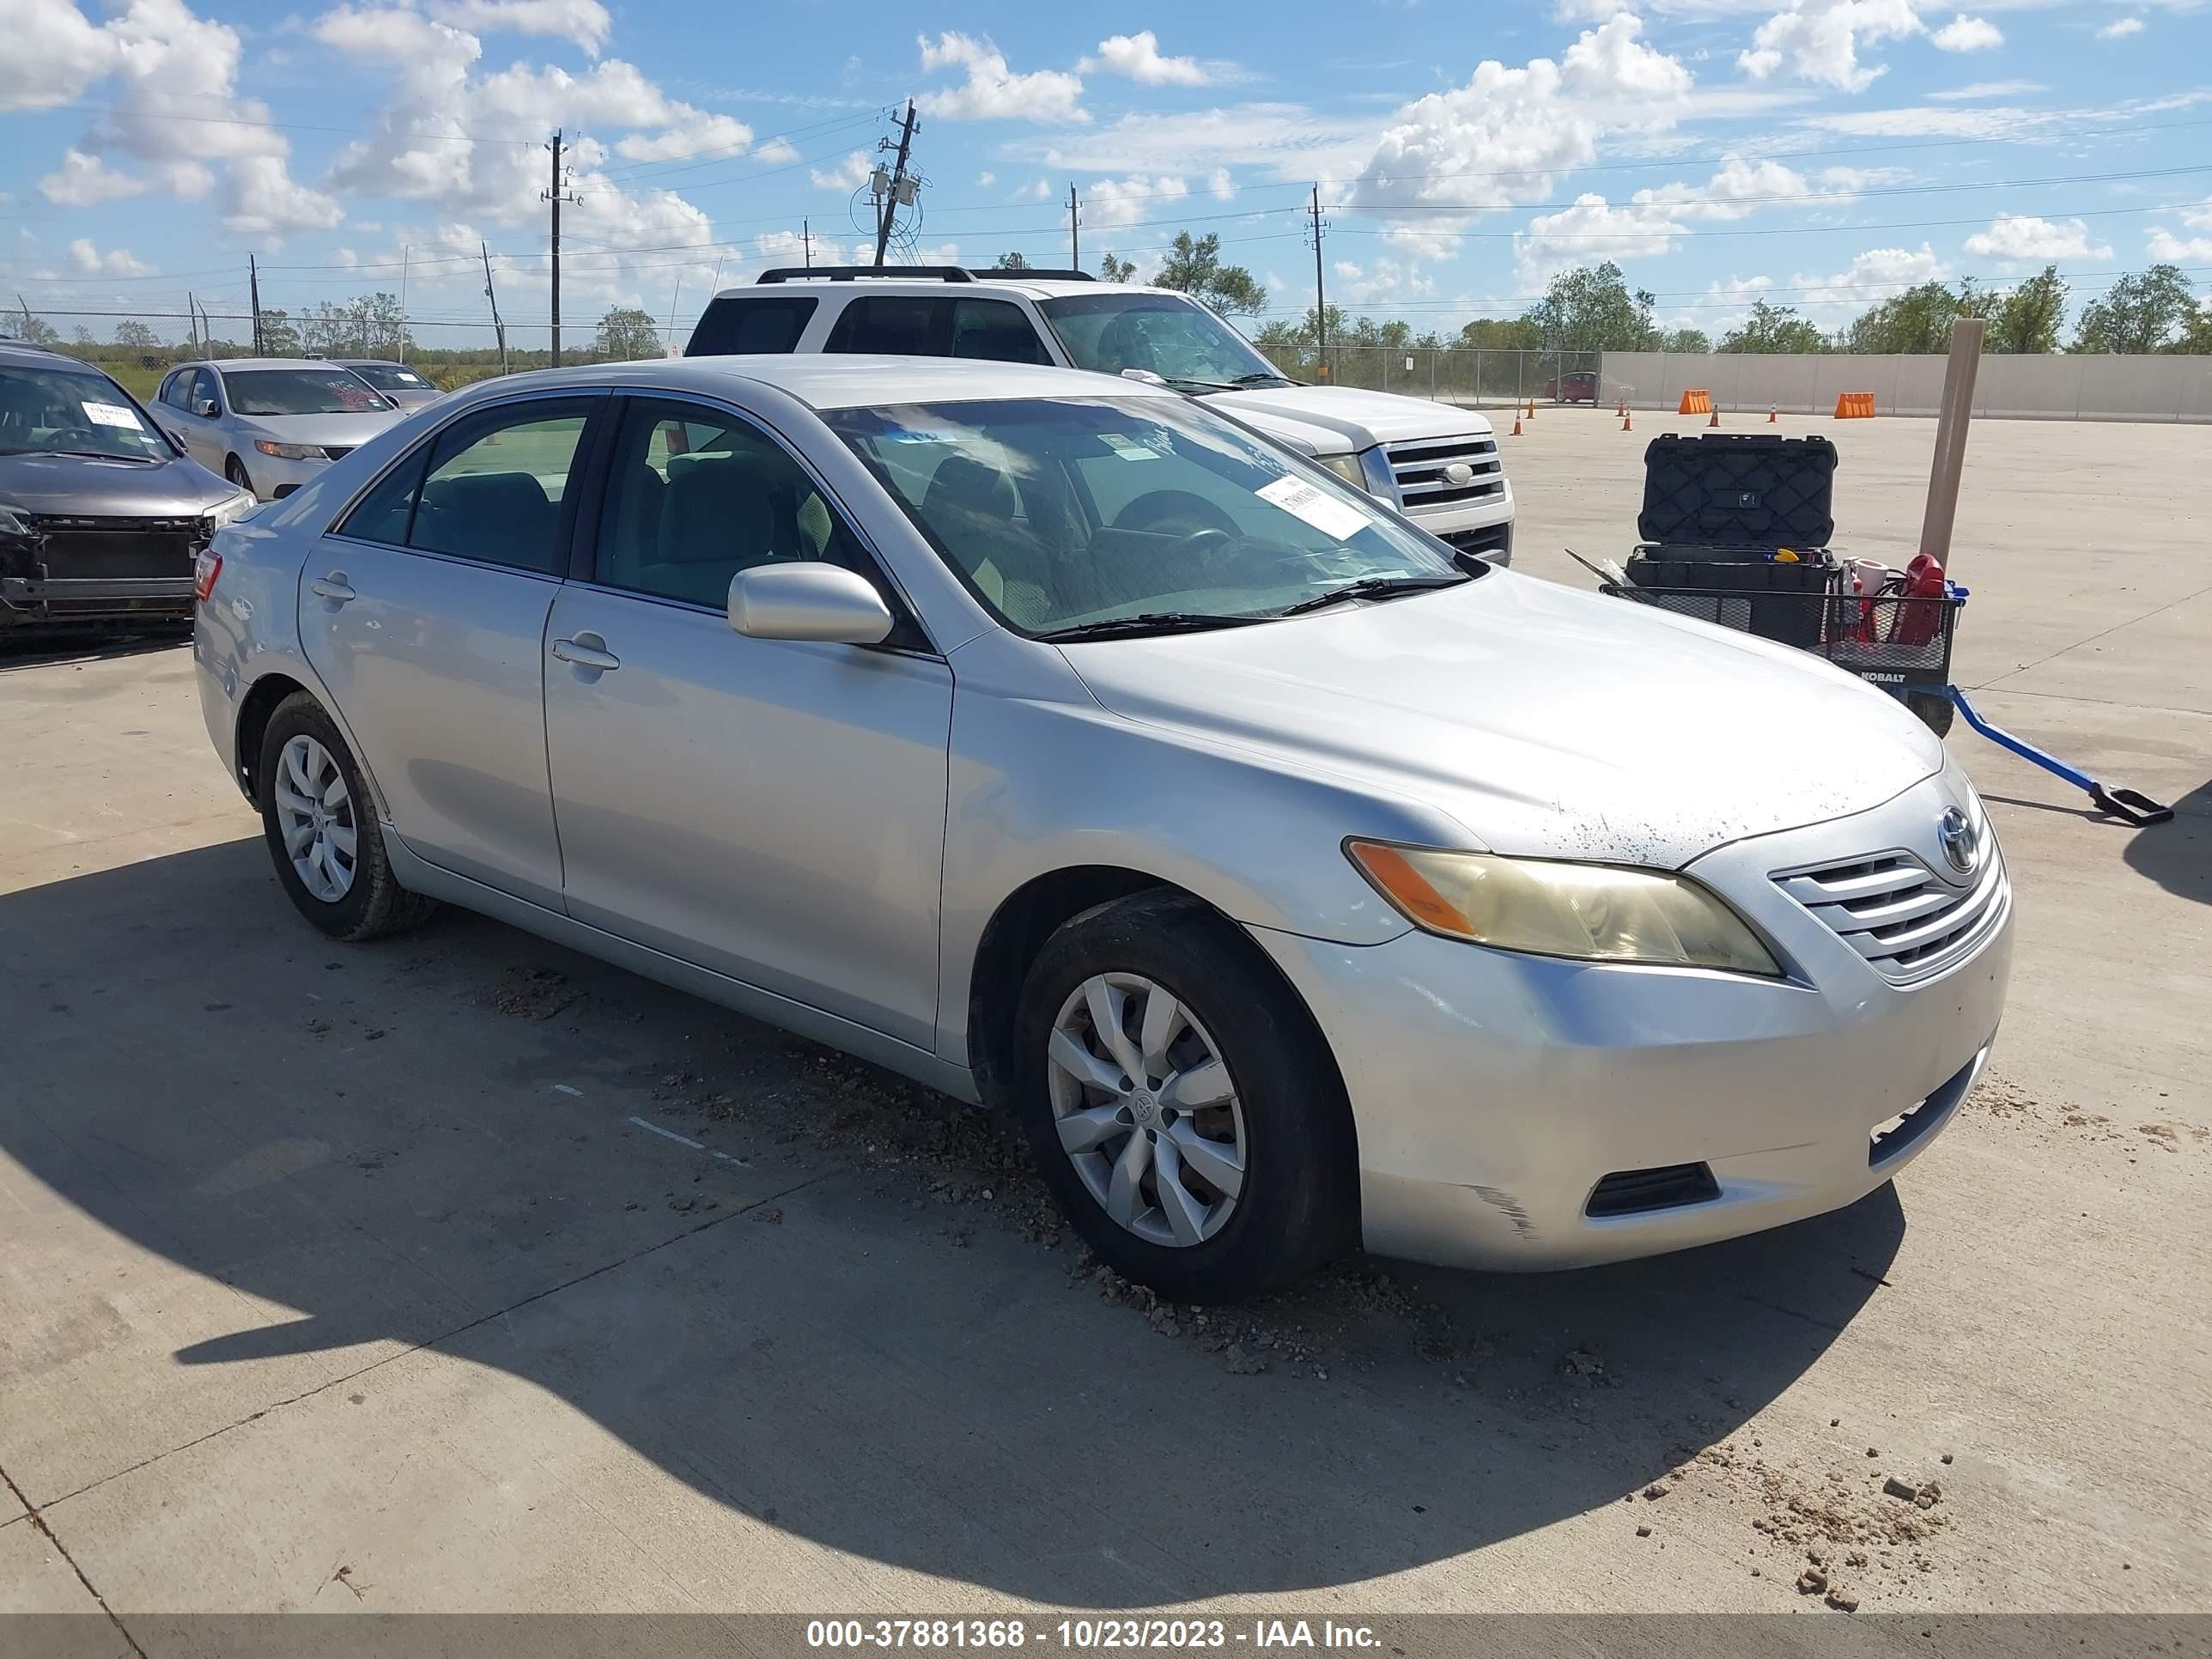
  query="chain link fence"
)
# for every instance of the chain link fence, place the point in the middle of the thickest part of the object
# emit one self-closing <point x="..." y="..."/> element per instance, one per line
<point x="1478" y="378"/>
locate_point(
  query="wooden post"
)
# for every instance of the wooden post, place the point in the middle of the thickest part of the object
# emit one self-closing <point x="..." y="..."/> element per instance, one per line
<point x="1958" y="409"/>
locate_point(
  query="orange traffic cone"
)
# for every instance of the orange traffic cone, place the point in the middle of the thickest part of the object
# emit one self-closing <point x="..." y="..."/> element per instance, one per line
<point x="1623" y="410"/>
<point x="1532" y="409"/>
<point x="1626" y="424"/>
<point x="1517" y="422"/>
<point x="1772" y="413"/>
<point x="1715" y="421"/>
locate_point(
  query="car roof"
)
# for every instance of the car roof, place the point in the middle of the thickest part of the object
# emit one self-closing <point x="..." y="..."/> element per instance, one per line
<point x="225" y="365"/>
<point x="836" y="381"/>
<point x="22" y="351"/>
<point x="997" y="282"/>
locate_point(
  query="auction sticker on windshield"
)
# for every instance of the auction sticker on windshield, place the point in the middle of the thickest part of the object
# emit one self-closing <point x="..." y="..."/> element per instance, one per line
<point x="112" y="415"/>
<point x="1325" y="514"/>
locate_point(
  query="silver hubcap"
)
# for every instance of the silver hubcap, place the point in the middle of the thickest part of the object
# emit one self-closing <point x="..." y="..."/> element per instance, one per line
<point x="1147" y="1112"/>
<point x="315" y="813"/>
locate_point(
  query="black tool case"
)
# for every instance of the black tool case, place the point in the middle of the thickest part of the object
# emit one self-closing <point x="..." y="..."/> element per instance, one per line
<point x="1717" y="506"/>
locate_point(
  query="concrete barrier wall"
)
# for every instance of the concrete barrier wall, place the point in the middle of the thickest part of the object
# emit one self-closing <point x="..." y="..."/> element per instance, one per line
<point x="2057" y="388"/>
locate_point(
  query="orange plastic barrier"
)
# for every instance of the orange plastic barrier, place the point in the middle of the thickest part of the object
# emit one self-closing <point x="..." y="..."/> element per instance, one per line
<point x="1855" y="405"/>
<point x="1696" y="403"/>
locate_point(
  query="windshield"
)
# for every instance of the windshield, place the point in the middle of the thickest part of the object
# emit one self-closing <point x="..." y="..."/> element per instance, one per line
<point x="389" y="377"/>
<point x="299" y="391"/>
<point x="1061" y="512"/>
<point x="1164" y="334"/>
<point x="71" y="411"/>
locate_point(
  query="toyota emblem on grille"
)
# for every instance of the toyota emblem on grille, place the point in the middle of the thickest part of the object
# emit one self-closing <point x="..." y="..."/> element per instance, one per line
<point x="1962" y="842"/>
<point x="1459" y="472"/>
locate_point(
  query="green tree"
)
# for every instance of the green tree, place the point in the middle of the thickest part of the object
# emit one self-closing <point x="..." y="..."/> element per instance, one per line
<point x="1009" y="262"/>
<point x="1772" y="328"/>
<point x="82" y="336"/>
<point x="2137" y="313"/>
<point x="279" y="338"/>
<point x="36" y="329"/>
<point x="626" y="332"/>
<point x="1917" y="320"/>
<point x="1195" y="267"/>
<point x="2197" y="335"/>
<point x="1112" y="270"/>
<point x="1590" y="309"/>
<point x="2027" y="317"/>
<point x="135" y="335"/>
<point x="1691" y="341"/>
<point x="1500" y="334"/>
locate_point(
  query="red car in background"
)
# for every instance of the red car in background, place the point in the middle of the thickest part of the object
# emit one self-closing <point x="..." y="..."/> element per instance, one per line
<point x="1579" y="387"/>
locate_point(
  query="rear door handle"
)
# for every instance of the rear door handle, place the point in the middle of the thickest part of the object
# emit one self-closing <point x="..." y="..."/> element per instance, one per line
<point x="585" y="651"/>
<point x="332" y="587"/>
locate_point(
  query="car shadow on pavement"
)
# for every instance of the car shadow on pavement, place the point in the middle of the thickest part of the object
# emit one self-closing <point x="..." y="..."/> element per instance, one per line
<point x="435" y="1141"/>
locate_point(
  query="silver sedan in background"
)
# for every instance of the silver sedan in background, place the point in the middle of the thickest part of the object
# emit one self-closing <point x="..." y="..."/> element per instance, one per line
<point x="270" y="424"/>
<point x="1071" y="749"/>
<point x="410" y="390"/>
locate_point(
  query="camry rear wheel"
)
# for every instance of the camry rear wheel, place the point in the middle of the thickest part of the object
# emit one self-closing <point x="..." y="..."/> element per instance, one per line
<point x="322" y="830"/>
<point x="1180" y="1103"/>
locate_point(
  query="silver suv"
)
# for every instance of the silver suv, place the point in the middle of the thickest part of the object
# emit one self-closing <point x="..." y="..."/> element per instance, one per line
<point x="1436" y="464"/>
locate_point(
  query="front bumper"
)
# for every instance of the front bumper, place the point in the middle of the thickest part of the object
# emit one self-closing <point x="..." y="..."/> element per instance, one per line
<point x="273" y="479"/>
<point x="33" y="601"/>
<point x="1493" y="1093"/>
<point x="1483" y="526"/>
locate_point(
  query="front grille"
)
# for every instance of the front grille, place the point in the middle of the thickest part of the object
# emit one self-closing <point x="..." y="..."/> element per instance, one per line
<point x="1908" y="1129"/>
<point x="1491" y="538"/>
<point x="1633" y="1192"/>
<point x="1898" y="914"/>
<point x="73" y="546"/>
<point x="1418" y="467"/>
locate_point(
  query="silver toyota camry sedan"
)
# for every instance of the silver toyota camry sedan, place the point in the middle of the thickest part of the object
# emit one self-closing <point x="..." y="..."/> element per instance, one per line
<point x="1068" y="747"/>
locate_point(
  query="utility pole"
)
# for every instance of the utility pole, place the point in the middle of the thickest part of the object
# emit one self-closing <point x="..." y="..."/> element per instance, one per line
<point x="1321" y="298"/>
<point x="557" y="191"/>
<point x="26" y="304"/>
<point x="406" y="258"/>
<point x="253" y="286"/>
<point x="498" y="328"/>
<point x="192" y="321"/>
<point x="899" y="189"/>
<point x="806" y="241"/>
<point x="672" y="295"/>
<point x="1074" y="231"/>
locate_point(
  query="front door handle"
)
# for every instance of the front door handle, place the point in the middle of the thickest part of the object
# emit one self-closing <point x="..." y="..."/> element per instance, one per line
<point x="332" y="587"/>
<point x="585" y="651"/>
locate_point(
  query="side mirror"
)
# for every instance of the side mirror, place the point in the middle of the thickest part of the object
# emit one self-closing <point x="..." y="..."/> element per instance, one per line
<point x="825" y="603"/>
<point x="205" y="407"/>
<point x="1143" y="377"/>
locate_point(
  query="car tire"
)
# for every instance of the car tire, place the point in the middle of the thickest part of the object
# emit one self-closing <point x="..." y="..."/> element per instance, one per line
<point x="325" y="841"/>
<point x="1935" y="709"/>
<point x="1268" y="1119"/>
<point x="234" y="469"/>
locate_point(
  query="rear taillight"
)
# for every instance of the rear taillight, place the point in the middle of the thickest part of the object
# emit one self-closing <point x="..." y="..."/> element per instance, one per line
<point x="206" y="566"/>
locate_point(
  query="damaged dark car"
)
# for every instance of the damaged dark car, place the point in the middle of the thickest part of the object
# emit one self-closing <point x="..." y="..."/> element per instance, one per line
<point x="101" y="514"/>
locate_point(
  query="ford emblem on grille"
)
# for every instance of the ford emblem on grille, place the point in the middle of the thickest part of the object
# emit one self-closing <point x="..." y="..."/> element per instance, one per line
<point x="1459" y="472"/>
<point x="1962" y="842"/>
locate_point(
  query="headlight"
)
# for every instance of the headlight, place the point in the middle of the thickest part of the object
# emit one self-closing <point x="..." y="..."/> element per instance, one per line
<point x="1346" y="467"/>
<point x="11" y="521"/>
<point x="229" y="511"/>
<point x="1585" y="912"/>
<point x="1367" y="472"/>
<point x="289" y="452"/>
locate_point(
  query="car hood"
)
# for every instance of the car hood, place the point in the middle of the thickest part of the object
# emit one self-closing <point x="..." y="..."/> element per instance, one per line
<point x="81" y="485"/>
<point x="347" y="431"/>
<point x="1548" y="722"/>
<point x="1328" y="419"/>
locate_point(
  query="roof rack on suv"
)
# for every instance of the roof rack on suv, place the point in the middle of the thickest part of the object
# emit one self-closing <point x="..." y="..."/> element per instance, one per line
<point x="854" y="273"/>
<point x="1042" y="274"/>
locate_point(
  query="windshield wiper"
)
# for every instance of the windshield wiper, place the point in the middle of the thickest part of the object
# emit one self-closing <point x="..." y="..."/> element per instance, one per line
<point x="1373" y="587"/>
<point x="1266" y="375"/>
<point x="1151" y="621"/>
<point x="1203" y="385"/>
<point x="91" y="455"/>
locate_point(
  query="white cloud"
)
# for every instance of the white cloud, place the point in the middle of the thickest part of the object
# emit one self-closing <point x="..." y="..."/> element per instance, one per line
<point x="1870" y="279"/>
<point x="1138" y="57"/>
<point x="985" y="180"/>
<point x="1508" y="134"/>
<point x="1381" y="280"/>
<point x="699" y="134"/>
<point x="89" y="261"/>
<point x="1978" y="90"/>
<point x="1110" y="201"/>
<point x="170" y="79"/>
<point x="2026" y="237"/>
<point x="992" y="91"/>
<point x="1220" y="185"/>
<point x="1589" y="11"/>
<point x="1650" y="223"/>
<point x="1290" y="139"/>
<point x="1037" y="190"/>
<point x="2120" y="27"/>
<point x="584" y="22"/>
<point x="777" y="149"/>
<point x="82" y="180"/>
<point x="848" y="174"/>
<point x="2166" y="248"/>
<point x="1820" y="40"/>
<point x="1965" y="33"/>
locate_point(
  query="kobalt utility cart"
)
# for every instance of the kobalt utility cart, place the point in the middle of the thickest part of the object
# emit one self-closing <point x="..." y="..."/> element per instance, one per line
<point x="1735" y="529"/>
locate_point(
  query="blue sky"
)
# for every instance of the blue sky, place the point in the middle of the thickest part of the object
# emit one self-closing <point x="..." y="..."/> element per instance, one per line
<point x="1819" y="153"/>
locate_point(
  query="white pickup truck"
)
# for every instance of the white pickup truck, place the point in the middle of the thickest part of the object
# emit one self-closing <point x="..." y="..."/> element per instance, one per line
<point x="1437" y="464"/>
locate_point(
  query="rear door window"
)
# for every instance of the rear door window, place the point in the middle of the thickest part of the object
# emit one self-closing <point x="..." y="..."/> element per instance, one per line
<point x="995" y="330"/>
<point x="895" y="324"/>
<point x="735" y="325"/>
